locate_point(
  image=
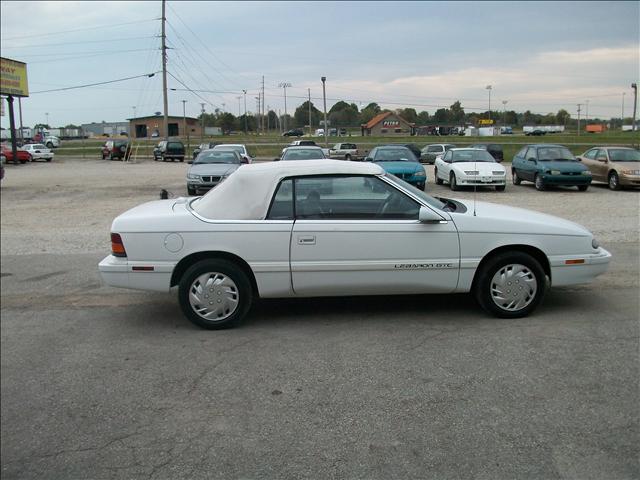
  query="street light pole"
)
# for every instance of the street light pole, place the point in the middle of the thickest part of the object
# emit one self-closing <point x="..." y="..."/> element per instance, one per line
<point x="504" y="115"/>
<point x="489" y="87"/>
<point x="324" y="99"/>
<point x="245" y="111"/>
<point x="579" y="105"/>
<point x="47" y="114"/>
<point x="284" y="86"/>
<point x="635" y="104"/>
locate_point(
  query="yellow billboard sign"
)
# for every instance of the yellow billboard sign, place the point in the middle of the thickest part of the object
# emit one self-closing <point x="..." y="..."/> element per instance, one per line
<point x="485" y="121"/>
<point x="13" y="78"/>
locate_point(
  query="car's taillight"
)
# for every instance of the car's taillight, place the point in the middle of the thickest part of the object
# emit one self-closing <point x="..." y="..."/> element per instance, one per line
<point x="117" y="247"/>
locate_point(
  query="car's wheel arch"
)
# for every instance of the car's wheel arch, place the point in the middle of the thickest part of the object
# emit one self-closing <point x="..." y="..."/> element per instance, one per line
<point x="534" y="252"/>
<point x="184" y="264"/>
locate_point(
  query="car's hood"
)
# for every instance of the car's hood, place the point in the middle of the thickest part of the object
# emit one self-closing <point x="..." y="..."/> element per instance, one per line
<point x="485" y="168"/>
<point x="563" y="166"/>
<point x="625" y="165"/>
<point x="400" y="167"/>
<point x="213" y="168"/>
<point x="494" y="218"/>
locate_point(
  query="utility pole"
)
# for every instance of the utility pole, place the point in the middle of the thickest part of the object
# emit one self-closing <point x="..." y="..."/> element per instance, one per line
<point x="489" y="87"/>
<point x="202" y="123"/>
<point x="263" y="122"/>
<point x="184" y="121"/>
<point x="165" y="99"/>
<point x="504" y="115"/>
<point x="579" y="105"/>
<point x="324" y="98"/>
<point x="245" y="111"/>
<point x="284" y="86"/>
<point x="258" y="126"/>
<point x="635" y="104"/>
<point x="309" y="91"/>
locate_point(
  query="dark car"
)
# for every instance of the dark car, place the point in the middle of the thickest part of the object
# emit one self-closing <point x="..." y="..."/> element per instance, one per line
<point x="210" y="168"/>
<point x="296" y="132"/>
<point x="398" y="160"/>
<point x="204" y="146"/>
<point x="535" y="133"/>
<point x="547" y="164"/>
<point x="493" y="148"/>
<point x="169" y="150"/>
<point x="116" y="150"/>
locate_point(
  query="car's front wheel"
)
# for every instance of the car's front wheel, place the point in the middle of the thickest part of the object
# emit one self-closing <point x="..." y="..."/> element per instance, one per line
<point x="583" y="188"/>
<point x="191" y="191"/>
<point x="500" y="188"/>
<point x="347" y="157"/>
<point x="510" y="285"/>
<point x="614" y="181"/>
<point x="438" y="179"/>
<point x="215" y="294"/>
<point x="453" y="182"/>
<point x="539" y="183"/>
<point x="49" y="145"/>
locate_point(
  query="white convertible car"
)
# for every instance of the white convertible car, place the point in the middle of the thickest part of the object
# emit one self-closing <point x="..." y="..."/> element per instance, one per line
<point x="332" y="228"/>
<point x="469" y="167"/>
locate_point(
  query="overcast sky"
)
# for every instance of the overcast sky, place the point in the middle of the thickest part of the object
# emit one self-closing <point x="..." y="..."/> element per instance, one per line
<point x="540" y="56"/>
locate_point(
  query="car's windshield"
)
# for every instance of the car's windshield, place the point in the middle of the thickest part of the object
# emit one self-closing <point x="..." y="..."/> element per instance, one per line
<point x="216" y="156"/>
<point x="558" y="154"/>
<point x="434" y="202"/>
<point x="624" y="155"/>
<point x="458" y="156"/>
<point x="177" y="145"/>
<point x="303" y="154"/>
<point x="233" y="148"/>
<point x="399" y="154"/>
<point x="38" y="145"/>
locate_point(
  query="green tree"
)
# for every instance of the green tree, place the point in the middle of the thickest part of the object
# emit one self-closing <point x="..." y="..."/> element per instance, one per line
<point x="226" y="121"/>
<point x="562" y="116"/>
<point x="343" y="114"/>
<point x="456" y="112"/>
<point x="409" y="114"/>
<point x="423" y="118"/>
<point x="272" y="119"/>
<point x="301" y="115"/>
<point x="441" y="115"/>
<point x="369" y="112"/>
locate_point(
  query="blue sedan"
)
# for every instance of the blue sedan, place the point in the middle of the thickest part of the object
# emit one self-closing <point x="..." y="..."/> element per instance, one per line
<point x="401" y="162"/>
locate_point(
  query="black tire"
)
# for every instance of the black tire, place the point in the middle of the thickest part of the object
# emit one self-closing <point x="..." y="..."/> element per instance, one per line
<point x="527" y="269"/>
<point x="500" y="188"/>
<point x="614" y="181"/>
<point x="421" y="186"/>
<point x="111" y="157"/>
<point x="239" y="289"/>
<point x="453" y="183"/>
<point x="48" y="159"/>
<point x="514" y="176"/>
<point x="182" y="159"/>
<point x="438" y="180"/>
<point x="49" y="145"/>
<point x="191" y="191"/>
<point x="540" y="186"/>
<point x="583" y="188"/>
<point x="347" y="157"/>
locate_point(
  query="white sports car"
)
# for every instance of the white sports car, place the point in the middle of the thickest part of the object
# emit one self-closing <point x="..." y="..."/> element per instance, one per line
<point x="469" y="167"/>
<point x="332" y="228"/>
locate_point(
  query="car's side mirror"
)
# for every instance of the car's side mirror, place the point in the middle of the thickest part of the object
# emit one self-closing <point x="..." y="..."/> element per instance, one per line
<point x="426" y="215"/>
<point x="276" y="159"/>
<point x="245" y="159"/>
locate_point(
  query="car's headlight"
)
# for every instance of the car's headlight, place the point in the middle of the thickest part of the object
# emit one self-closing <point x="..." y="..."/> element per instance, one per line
<point x="595" y="244"/>
<point x="631" y="172"/>
<point x="586" y="172"/>
<point x="555" y="172"/>
<point x="498" y="173"/>
<point x="471" y="172"/>
<point x="420" y="173"/>
<point x="193" y="176"/>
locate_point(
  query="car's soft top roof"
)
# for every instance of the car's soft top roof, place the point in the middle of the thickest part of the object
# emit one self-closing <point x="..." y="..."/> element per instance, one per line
<point x="247" y="193"/>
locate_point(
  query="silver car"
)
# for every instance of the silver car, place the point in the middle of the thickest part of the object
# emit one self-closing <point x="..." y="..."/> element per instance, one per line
<point x="210" y="168"/>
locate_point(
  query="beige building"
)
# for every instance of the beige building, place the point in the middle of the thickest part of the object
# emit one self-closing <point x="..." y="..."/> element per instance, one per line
<point x="387" y="124"/>
<point x="153" y="126"/>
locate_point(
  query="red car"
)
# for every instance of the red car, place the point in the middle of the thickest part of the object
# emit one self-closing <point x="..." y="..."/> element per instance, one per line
<point x="23" y="156"/>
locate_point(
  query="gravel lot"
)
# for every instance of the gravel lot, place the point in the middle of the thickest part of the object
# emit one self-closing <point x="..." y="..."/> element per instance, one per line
<point x="105" y="383"/>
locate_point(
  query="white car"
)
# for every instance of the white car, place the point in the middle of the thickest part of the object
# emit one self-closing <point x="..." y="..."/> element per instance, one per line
<point x="335" y="228"/>
<point x="52" y="141"/>
<point x="463" y="167"/>
<point x="38" y="152"/>
<point x="236" y="147"/>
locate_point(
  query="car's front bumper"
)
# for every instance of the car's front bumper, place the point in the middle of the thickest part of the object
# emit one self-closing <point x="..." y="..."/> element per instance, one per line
<point x="566" y="180"/>
<point x="563" y="273"/>
<point x="122" y="273"/>
<point x="629" y="180"/>
<point x="482" y="180"/>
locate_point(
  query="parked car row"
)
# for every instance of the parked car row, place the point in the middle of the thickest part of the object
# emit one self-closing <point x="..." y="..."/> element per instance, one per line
<point x="30" y="152"/>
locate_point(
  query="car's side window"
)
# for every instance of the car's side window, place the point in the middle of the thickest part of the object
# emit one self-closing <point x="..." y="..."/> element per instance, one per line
<point x="447" y="157"/>
<point x="531" y="153"/>
<point x="351" y="198"/>
<point x="522" y="152"/>
<point x="282" y="203"/>
<point x="591" y="154"/>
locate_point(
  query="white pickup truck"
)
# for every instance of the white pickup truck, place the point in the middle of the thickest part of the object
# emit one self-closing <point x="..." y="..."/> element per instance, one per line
<point x="346" y="151"/>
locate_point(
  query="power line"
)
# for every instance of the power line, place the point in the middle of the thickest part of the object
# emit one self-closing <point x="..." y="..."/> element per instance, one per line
<point x="192" y="91"/>
<point x="62" y="59"/>
<point x="85" y="53"/>
<point x="111" y="25"/>
<point x="111" y="40"/>
<point x="94" y="84"/>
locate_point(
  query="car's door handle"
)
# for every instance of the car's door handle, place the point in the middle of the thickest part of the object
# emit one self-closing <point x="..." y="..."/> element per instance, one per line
<point x="308" y="240"/>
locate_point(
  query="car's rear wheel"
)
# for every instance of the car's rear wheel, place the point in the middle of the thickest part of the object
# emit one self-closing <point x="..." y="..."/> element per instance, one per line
<point x="453" y="182"/>
<point x="514" y="176"/>
<point x="438" y="179"/>
<point x="583" y="188"/>
<point x="215" y="294"/>
<point x="539" y="183"/>
<point x="49" y="145"/>
<point x="614" y="181"/>
<point x="347" y="157"/>
<point x="510" y="285"/>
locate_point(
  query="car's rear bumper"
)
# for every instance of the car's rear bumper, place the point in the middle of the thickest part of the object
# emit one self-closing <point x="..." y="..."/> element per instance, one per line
<point x="122" y="273"/>
<point x="563" y="273"/>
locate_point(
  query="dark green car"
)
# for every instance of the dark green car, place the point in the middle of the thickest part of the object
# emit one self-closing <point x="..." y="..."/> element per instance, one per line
<point x="549" y="165"/>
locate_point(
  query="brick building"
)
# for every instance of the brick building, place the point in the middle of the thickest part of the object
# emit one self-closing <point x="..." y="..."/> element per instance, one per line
<point x="153" y="126"/>
<point x="387" y="124"/>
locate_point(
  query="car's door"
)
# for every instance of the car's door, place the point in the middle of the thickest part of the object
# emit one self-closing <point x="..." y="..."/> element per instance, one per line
<point x="589" y="161"/>
<point x="359" y="235"/>
<point x="529" y="166"/>
<point x="443" y="166"/>
<point x="601" y="167"/>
